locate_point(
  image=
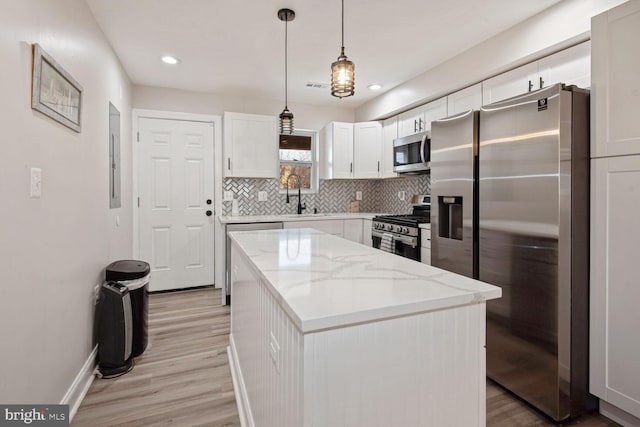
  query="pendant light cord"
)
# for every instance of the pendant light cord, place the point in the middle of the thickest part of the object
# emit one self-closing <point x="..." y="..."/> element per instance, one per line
<point x="286" y="99"/>
<point x="343" y="27"/>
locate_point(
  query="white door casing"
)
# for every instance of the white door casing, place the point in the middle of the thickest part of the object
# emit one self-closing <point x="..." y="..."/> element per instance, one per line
<point x="176" y="178"/>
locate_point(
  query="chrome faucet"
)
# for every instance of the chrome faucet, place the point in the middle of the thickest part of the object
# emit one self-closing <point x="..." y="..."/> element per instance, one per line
<point x="300" y="205"/>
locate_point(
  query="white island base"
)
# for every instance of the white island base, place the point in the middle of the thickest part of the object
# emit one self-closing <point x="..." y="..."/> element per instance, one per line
<point x="400" y="356"/>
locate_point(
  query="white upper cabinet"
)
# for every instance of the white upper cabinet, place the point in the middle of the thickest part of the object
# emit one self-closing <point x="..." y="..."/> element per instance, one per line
<point x="250" y="146"/>
<point x="615" y="94"/>
<point x="419" y="119"/>
<point x="367" y="149"/>
<point x="434" y="110"/>
<point x="411" y="122"/>
<point x="336" y="151"/>
<point x="570" y="66"/>
<point x="511" y="83"/>
<point x="465" y="100"/>
<point x="389" y="133"/>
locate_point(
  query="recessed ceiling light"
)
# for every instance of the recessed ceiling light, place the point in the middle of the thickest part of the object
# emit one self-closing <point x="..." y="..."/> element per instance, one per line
<point x="375" y="86"/>
<point x="171" y="60"/>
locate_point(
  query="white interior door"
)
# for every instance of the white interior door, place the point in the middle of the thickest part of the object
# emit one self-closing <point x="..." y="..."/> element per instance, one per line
<point x="176" y="193"/>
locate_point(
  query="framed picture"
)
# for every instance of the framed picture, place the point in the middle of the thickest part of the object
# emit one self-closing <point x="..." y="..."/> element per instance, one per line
<point x="54" y="92"/>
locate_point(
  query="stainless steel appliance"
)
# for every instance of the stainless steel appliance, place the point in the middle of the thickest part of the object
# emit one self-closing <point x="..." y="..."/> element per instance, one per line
<point x="242" y="227"/>
<point x="454" y="149"/>
<point x="400" y="234"/>
<point x="527" y="233"/>
<point x="411" y="154"/>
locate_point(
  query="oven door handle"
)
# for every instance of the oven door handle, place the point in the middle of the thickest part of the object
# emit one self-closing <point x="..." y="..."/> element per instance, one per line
<point x="407" y="240"/>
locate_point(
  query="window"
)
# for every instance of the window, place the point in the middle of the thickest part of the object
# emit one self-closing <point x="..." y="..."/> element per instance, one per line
<point x="297" y="157"/>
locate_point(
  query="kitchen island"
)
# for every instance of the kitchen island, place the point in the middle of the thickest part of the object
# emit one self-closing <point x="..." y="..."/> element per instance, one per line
<point x="328" y="332"/>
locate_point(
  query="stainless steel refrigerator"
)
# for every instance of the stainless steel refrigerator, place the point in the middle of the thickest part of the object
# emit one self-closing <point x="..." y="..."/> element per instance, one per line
<point x="520" y="221"/>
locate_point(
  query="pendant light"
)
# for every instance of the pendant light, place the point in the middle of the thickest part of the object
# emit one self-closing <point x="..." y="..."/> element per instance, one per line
<point x="286" y="117"/>
<point x="342" y="71"/>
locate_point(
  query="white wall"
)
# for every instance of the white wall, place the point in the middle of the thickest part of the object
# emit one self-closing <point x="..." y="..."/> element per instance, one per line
<point x="565" y="24"/>
<point x="53" y="250"/>
<point x="305" y="116"/>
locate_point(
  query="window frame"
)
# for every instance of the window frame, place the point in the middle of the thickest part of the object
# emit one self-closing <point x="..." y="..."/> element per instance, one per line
<point x="314" y="161"/>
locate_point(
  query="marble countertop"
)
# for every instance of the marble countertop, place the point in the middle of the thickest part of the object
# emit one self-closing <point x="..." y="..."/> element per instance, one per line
<point x="243" y="219"/>
<point x="323" y="281"/>
<point x="425" y="226"/>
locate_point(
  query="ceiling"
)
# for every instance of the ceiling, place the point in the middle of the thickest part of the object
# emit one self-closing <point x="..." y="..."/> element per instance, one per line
<point x="236" y="47"/>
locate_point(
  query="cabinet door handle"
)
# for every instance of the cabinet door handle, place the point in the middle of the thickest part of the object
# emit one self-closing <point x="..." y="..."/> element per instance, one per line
<point x="530" y="86"/>
<point x="378" y="165"/>
<point x="541" y="82"/>
<point x="350" y="167"/>
<point x="228" y="163"/>
<point x="421" y="122"/>
<point x="415" y="126"/>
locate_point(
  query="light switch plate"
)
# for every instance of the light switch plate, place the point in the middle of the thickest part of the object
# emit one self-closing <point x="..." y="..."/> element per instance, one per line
<point x="35" y="187"/>
<point x="401" y="195"/>
<point x="228" y="196"/>
<point x="358" y="195"/>
<point x="262" y="196"/>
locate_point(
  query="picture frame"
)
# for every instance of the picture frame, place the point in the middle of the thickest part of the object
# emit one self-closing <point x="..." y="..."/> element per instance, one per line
<point x="54" y="92"/>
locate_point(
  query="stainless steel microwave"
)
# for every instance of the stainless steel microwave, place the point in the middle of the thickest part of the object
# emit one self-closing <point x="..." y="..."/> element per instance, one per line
<point x="411" y="154"/>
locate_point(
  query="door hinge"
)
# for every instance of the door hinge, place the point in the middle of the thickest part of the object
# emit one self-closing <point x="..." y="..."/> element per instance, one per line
<point x="138" y="136"/>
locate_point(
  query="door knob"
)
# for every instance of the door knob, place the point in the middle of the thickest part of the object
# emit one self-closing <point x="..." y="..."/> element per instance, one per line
<point x="209" y="213"/>
<point x="208" y="201"/>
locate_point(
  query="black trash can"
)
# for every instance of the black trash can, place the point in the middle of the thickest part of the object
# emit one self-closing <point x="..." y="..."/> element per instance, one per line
<point x="135" y="276"/>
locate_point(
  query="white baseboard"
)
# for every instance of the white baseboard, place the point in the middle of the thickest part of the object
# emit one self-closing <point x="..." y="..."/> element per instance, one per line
<point x="616" y="414"/>
<point x="80" y="386"/>
<point x="242" y="400"/>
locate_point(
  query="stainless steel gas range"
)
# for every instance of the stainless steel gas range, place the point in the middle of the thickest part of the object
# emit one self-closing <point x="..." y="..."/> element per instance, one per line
<point x="399" y="234"/>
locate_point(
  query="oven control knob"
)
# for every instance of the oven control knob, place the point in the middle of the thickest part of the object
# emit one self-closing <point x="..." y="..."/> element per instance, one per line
<point x="390" y="227"/>
<point x="406" y="230"/>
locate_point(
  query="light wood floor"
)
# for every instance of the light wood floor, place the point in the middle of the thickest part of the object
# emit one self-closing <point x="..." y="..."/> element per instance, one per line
<point x="183" y="378"/>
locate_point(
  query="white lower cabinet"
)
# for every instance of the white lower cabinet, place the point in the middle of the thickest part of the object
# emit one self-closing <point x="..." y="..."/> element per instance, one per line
<point x="615" y="288"/>
<point x="425" y="245"/>
<point x="334" y="226"/>
<point x="352" y="230"/>
<point x="366" y="232"/>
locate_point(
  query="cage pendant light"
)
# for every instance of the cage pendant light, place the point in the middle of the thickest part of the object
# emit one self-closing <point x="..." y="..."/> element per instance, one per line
<point x="342" y="71"/>
<point x="286" y="117"/>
